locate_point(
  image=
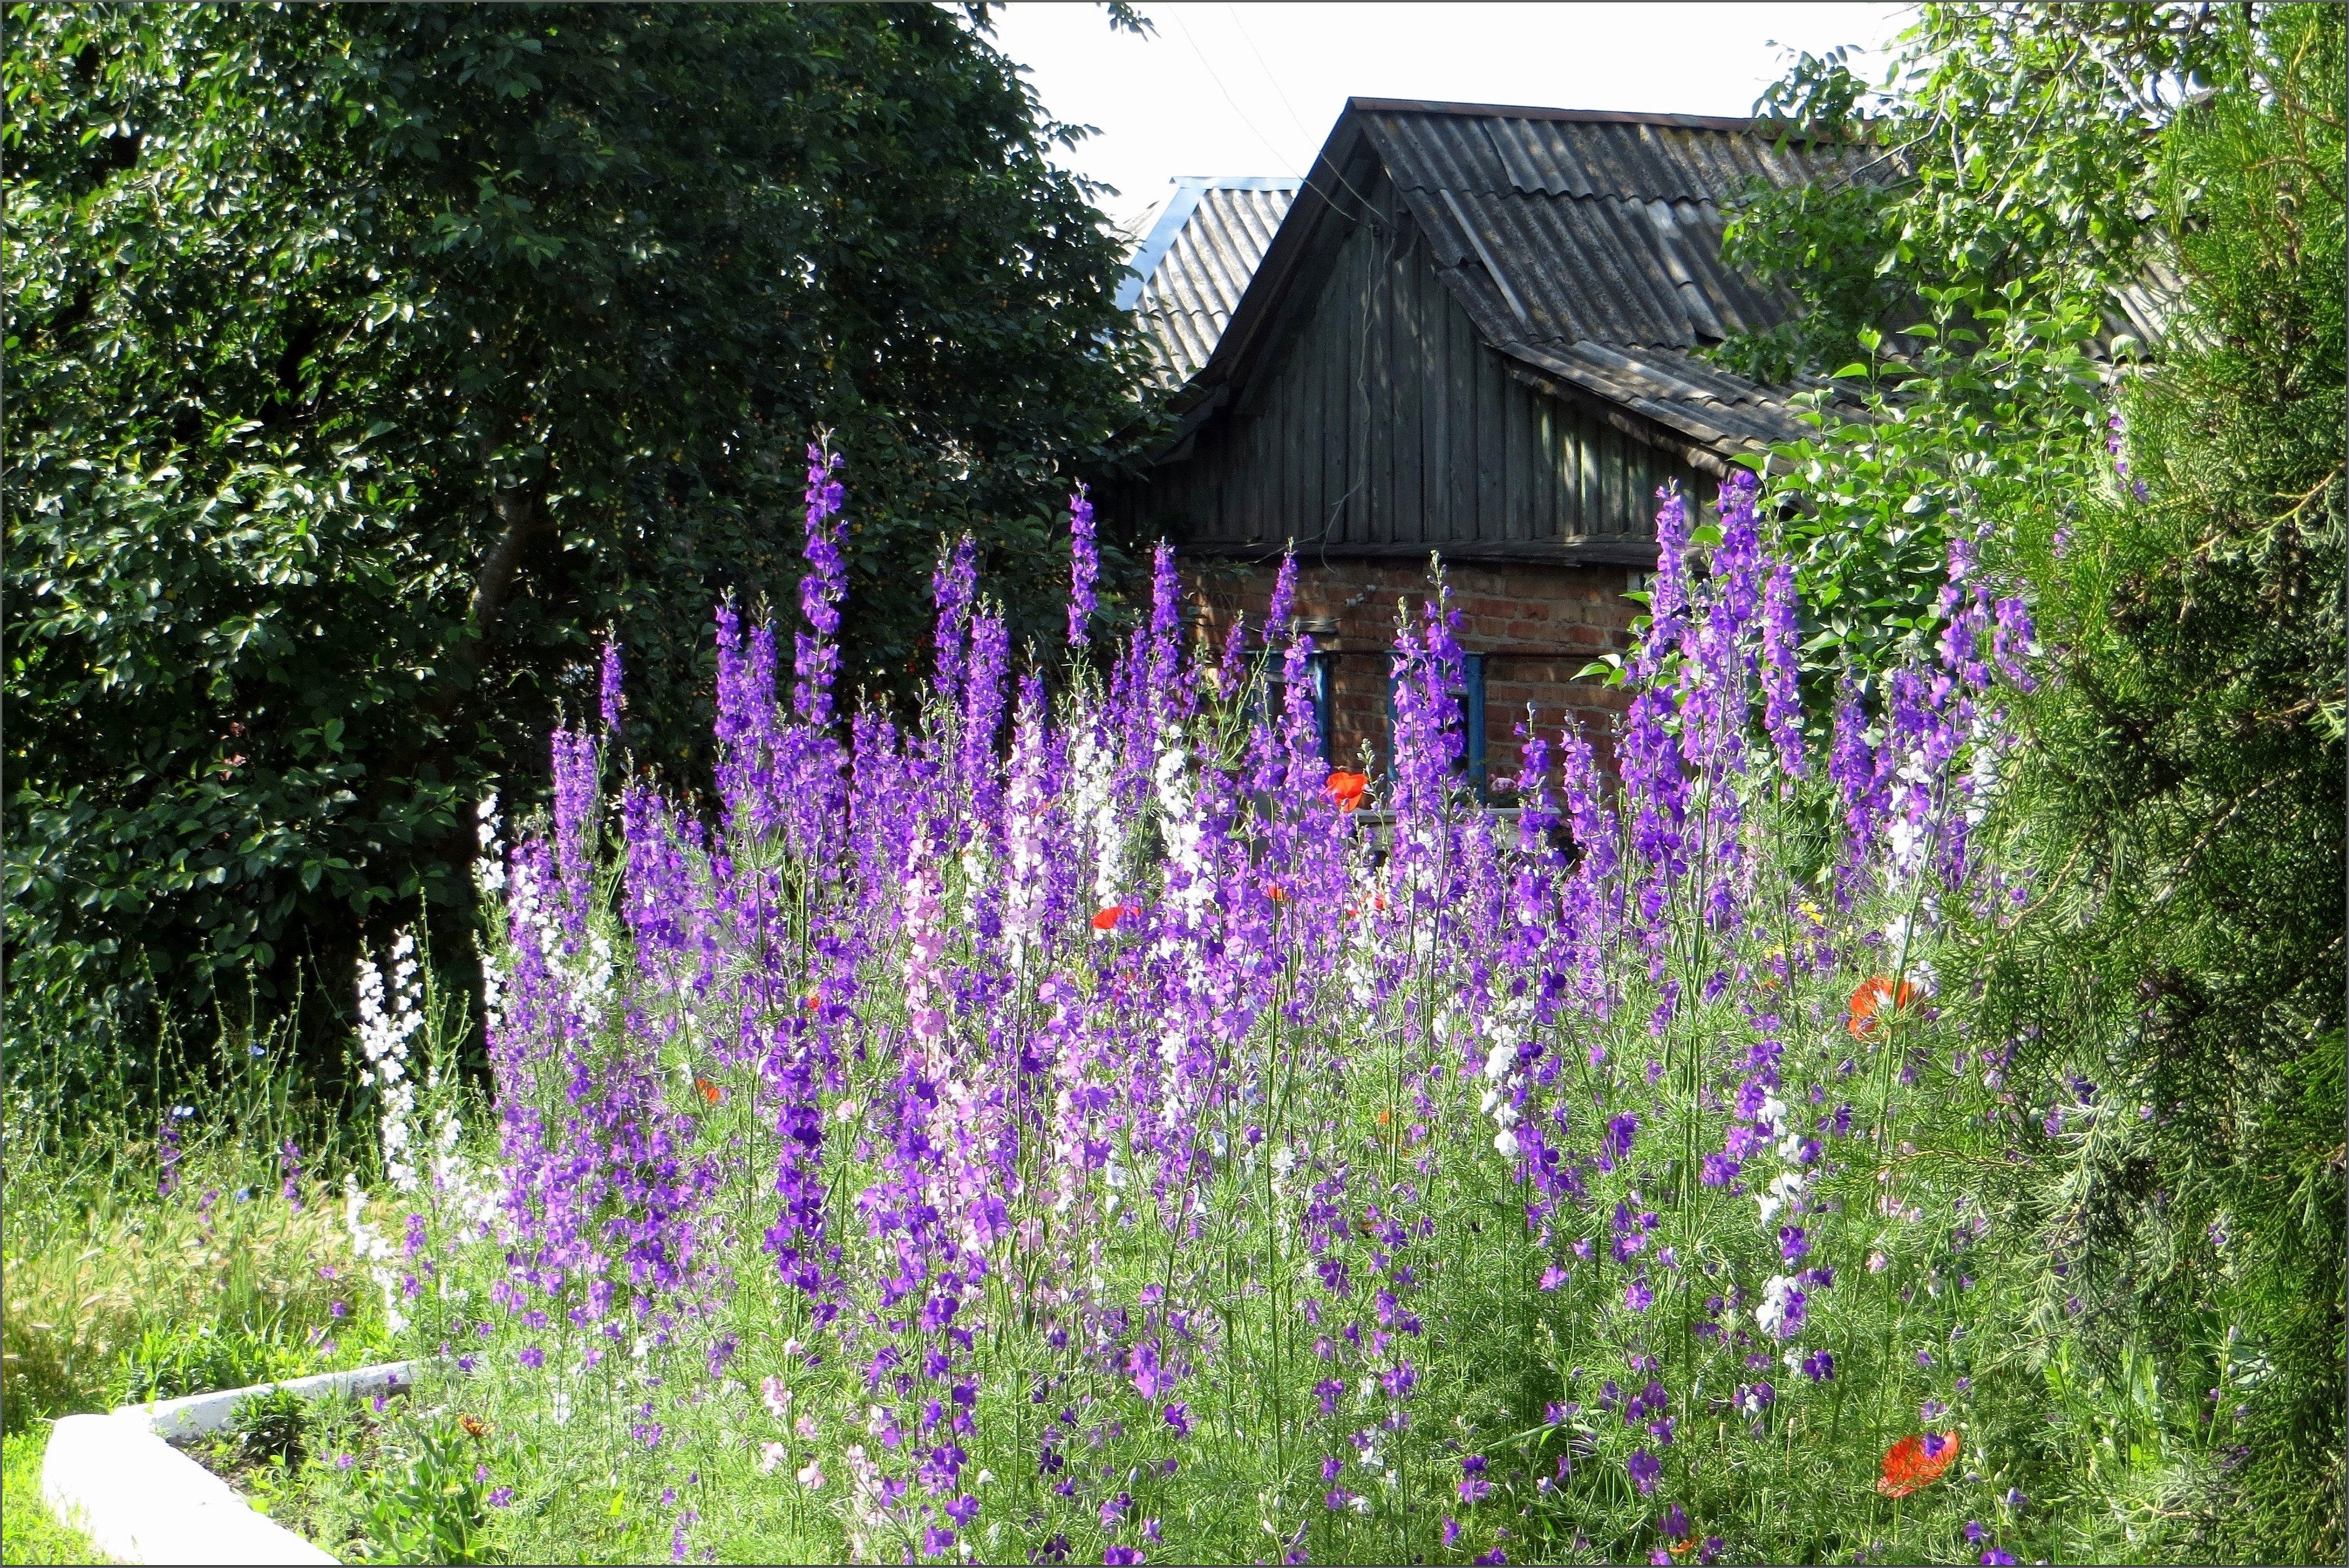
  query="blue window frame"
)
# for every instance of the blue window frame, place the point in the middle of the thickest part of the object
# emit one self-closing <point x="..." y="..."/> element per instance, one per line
<point x="1471" y="695"/>
<point x="1318" y="673"/>
<point x="1322" y="674"/>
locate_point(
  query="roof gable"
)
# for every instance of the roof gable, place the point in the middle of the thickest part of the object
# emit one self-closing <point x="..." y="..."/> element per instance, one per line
<point x="1583" y="245"/>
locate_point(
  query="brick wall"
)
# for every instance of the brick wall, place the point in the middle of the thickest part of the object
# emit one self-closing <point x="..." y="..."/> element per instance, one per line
<point x="1537" y="626"/>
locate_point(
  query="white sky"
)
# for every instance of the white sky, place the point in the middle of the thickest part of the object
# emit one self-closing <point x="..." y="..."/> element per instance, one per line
<point x="1254" y="88"/>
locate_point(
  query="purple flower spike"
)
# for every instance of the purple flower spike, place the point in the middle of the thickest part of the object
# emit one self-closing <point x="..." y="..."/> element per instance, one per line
<point x="1283" y="603"/>
<point x="1084" y="569"/>
<point x="816" y="653"/>
<point x="611" y="686"/>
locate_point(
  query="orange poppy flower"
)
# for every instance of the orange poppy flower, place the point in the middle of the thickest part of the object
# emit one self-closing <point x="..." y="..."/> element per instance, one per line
<point x="1273" y="891"/>
<point x="1346" y="788"/>
<point x="1875" y="995"/>
<point x="474" y="1426"/>
<point x="1107" y="919"/>
<point x="1909" y="1464"/>
<point x="709" y="1092"/>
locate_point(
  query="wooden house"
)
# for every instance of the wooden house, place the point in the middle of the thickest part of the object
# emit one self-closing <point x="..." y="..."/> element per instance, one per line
<point x="1473" y="332"/>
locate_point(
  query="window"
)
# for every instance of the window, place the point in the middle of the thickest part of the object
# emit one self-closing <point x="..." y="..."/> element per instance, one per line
<point x="1470" y="693"/>
<point x="1317" y="672"/>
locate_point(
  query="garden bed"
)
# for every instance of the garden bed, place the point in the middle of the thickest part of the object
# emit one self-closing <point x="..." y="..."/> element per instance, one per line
<point x="219" y="1477"/>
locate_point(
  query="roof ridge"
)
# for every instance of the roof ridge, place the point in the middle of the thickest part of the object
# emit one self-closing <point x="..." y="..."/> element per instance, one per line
<point x="1746" y="124"/>
<point x="1239" y="181"/>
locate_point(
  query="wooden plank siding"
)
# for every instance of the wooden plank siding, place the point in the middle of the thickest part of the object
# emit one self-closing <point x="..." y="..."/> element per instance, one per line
<point x="1383" y="425"/>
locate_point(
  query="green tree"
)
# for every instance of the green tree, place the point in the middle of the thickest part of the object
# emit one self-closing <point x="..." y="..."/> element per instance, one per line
<point x="2182" y="796"/>
<point x="2054" y="179"/>
<point x="368" y="365"/>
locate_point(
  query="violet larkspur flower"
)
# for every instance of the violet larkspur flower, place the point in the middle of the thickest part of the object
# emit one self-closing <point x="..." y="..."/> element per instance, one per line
<point x="610" y="686"/>
<point x="1621" y="1132"/>
<point x="1151" y="1380"/>
<point x="1084" y="568"/>
<point x="1004" y="970"/>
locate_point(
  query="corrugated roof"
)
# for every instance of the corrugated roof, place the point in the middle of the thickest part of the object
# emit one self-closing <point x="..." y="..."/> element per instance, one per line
<point x="1589" y="248"/>
<point x="1464" y="148"/>
<point x="1585" y="244"/>
<point x="1201" y="251"/>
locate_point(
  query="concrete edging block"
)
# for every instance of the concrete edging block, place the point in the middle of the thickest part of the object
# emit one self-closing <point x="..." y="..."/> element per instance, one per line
<point x="199" y="1415"/>
<point x="139" y="1499"/>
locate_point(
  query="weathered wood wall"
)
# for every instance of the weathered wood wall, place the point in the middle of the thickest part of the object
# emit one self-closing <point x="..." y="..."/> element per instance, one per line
<point x="1382" y="425"/>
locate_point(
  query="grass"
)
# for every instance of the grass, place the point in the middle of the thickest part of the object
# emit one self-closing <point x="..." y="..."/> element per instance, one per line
<point x="167" y="1230"/>
<point x="29" y="1532"/>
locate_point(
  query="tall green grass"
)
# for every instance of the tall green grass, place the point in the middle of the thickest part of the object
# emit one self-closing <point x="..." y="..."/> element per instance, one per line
<point x="168" y="1225"/>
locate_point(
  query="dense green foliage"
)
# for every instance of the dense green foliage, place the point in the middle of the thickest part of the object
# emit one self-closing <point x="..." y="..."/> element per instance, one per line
<point x="2185" y="801"/>
<point x="2174" y="988"/>
<point x="2016" y="144"/>
<point x="368" y="364"/>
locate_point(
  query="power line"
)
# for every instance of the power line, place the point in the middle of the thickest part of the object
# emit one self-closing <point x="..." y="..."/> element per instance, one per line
<point x="1217" y="78"/>
<point x="1241" y="27"/>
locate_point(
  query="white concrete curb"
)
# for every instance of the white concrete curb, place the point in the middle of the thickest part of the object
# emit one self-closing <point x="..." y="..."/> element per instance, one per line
<point x="139" y="1499"/>
<point x="201" y="1414"/>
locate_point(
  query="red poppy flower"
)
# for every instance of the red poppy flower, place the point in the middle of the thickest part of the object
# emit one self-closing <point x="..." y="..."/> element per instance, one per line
<point x="711" y="1093"/>
<point x="1107" y="919"/>
<point x="1273" y="891"/>
<point x="1346" y="788"/>
<point x="1876" y="994"/>
<point x="1917" y="1462"/>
